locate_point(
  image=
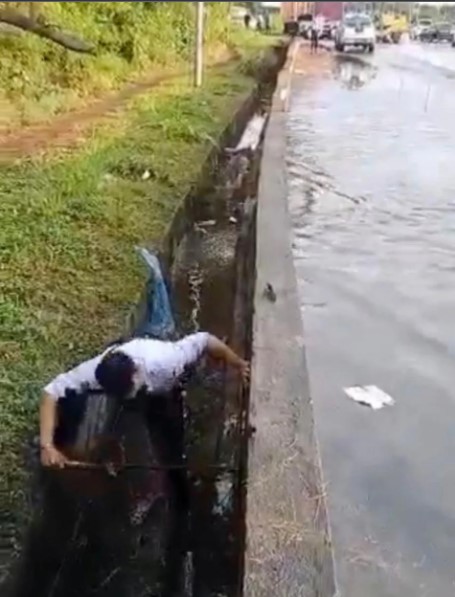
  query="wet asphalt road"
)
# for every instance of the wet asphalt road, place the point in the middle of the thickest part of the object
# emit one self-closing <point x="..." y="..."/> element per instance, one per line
<point x="371" y="162"/>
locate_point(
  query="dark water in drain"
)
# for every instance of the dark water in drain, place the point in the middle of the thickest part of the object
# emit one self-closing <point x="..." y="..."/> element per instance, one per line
<point x="204" y="275"/>
<point x="372" y="199"/>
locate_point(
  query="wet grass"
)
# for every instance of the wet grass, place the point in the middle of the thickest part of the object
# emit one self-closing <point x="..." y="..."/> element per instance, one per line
<point x="69" y="224"/>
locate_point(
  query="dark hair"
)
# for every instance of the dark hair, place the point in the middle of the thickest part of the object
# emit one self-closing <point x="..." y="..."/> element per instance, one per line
<point x="115" y="374"/>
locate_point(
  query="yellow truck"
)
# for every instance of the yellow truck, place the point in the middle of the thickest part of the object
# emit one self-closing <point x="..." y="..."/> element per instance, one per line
<point x="391" y="27"/>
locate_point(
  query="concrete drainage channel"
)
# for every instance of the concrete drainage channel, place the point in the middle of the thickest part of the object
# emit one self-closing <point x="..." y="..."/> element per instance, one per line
<point x="210" y="257"/>
<point x="208" y="287"/>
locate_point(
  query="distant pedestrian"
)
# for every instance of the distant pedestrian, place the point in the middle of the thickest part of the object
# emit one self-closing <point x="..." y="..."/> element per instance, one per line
<point x="247" y="20"/>
<point x="314" y="36"/>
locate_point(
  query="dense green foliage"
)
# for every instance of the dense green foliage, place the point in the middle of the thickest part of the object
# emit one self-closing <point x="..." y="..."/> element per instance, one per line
<point x="39" y="78"/>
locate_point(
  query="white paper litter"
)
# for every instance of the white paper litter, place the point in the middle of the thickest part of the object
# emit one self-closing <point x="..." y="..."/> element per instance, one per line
<point x="371" y="396"/>
<point x="252" y="134"/>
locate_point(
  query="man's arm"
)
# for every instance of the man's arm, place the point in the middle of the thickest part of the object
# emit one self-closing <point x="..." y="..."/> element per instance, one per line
<point x="194" y="346"/>
<point x="81" y="376"/>
<point x="220" y="351"/>
<point x="50" y="456"/>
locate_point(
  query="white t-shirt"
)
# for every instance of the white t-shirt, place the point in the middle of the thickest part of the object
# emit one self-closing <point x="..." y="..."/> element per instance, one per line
<point x="159" y="365"/>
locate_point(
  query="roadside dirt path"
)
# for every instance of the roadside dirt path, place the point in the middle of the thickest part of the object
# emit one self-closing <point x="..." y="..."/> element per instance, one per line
<point x="69" y="129"/>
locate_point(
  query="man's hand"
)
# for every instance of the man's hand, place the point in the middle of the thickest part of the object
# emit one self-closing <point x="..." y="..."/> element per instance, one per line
<point x="221" y="351"/>
<point x="245" y="371"/>
<point x="51" y="457"/>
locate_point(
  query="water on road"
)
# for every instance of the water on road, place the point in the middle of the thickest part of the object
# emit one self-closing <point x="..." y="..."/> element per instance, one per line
<point x="372" y="198"/>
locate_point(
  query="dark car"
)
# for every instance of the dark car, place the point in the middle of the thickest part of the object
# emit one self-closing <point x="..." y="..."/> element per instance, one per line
<point x="438" y="33"/>
<point x="291" y="28"/>
<point x="329" y="29"/>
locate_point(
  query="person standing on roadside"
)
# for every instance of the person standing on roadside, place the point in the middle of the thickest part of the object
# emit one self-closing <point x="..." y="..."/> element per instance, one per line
<point x="314" y="38"/>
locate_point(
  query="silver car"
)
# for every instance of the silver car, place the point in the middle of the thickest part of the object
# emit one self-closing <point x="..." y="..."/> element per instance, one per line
<point x="357" y="31"/>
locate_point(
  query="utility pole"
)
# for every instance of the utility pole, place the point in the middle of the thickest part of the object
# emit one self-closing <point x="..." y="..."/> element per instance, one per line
<point x="199" y="50"/>
<point x="411" y="13"/>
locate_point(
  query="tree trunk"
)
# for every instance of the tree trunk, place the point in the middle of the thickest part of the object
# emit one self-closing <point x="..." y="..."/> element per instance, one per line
<point x="17" y="19"/>
<point x="34" y="10"/>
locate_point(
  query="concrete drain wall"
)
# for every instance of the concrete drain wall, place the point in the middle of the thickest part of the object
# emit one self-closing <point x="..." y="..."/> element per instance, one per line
<point x="288" y="542"/>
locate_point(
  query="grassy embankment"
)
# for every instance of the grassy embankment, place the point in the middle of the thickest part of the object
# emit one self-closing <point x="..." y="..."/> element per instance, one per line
<point x="69" y="224"/>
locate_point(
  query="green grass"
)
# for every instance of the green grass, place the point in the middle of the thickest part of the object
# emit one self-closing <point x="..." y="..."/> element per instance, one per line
<point x="39" y="79"/>
<point x="69" y="224"/>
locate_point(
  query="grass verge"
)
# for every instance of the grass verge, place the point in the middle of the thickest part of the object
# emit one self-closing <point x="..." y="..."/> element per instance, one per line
<point x="68" y="270"/>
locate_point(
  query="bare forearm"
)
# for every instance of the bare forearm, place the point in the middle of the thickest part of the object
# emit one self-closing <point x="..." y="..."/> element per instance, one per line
<point x="218" y="350"/>
<point x="50" y="455"/>
<point x="48" y="420"/>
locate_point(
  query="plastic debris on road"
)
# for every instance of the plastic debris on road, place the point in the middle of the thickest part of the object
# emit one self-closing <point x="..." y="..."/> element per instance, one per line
<point x="370" y="396"/>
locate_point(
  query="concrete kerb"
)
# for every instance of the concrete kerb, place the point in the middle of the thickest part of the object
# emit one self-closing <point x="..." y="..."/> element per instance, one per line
<point x="288" y="546"/>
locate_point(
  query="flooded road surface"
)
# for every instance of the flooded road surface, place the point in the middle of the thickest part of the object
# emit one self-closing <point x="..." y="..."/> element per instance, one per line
<point x="441" y="56"/>
<point x="372" y="199"/>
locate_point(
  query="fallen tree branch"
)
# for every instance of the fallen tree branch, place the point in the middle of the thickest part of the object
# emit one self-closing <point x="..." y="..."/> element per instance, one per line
<point x="42" y="29"/>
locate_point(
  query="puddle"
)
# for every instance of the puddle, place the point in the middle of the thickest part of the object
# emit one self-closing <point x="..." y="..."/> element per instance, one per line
<point x="353" y="73"/>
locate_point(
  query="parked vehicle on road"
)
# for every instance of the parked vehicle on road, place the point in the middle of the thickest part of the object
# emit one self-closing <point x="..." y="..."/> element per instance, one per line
<point x="392" y="27"/>
<point x="329" y="30"/>
<point x="387" y="35"/>
<point x="384" y="35"/>
<point x="305" y="22"/>
<point x="356" y="31"/>
<point x="441" y="32"/>
<point x="291" y="28"/>
<point x="419" y="28"/>
<point x="302" y="26"/>
<point x="330" y="11"/>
